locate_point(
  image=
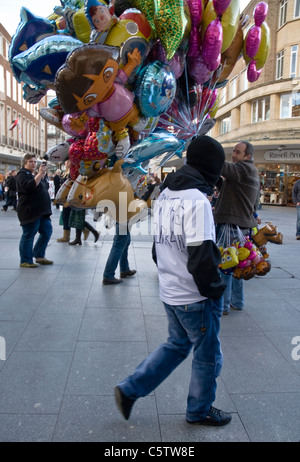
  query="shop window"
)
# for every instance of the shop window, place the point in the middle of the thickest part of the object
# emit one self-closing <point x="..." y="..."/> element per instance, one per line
<point x="273" y="178"/>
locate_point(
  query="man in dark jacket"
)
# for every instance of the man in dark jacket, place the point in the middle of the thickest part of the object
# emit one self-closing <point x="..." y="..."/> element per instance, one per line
<point x="190" y="287"/>
<point x="235" y="212"/>
<point x="34" y="211"/>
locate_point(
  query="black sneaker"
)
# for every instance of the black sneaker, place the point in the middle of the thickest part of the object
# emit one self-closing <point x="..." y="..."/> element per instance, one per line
<point x="124" y="404"/>
<point x="107" y="282"/>
<point x="215" y="417"/>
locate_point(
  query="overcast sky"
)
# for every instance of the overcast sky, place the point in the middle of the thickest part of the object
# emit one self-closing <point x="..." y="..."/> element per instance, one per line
<point x="10" y="10"/>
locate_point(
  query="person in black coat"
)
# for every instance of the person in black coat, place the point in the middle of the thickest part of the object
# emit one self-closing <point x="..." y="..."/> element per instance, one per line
<point x="57" y="183"/>
<point x="34" y="211"/>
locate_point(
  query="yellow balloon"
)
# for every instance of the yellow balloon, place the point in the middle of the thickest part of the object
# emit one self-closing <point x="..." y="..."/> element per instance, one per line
<point x="229" y="20"/>
<point x="81" y="26"/>
<point x="263" y="50"/>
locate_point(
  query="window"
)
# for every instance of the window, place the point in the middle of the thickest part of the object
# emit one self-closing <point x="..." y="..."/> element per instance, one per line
<point x="233" y="87"/>
<point x="2" y="87"/>
<point x="297" y="8"/>
<point x="260" y="110"/>
<point x="290" y="105"/>
<point x="294" y="52"/>
<point x="225" y="125"/>
<point x="244" y="81"/>
<point x="279" y="65"/>
<point x="8" y="84"/>
<point x="282" y="13"/>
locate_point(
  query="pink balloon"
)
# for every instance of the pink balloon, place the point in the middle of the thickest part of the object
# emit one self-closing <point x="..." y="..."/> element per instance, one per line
<point x="198" y="69"/>
<point x="221" y="6"/>
<point x="212" y="44"/>
<point x="252" y="73"/>
<point x="196" y="10"/>
<point x="253" y="41"/>
<point x="176" y="64"/>
<point x="260" y="13"/>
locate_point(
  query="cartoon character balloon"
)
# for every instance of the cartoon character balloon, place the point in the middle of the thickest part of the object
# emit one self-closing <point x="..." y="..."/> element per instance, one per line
<point x="91" y="81"/>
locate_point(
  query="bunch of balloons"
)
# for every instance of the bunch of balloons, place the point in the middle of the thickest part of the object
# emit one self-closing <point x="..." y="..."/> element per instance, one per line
<point x="134" y="79"/>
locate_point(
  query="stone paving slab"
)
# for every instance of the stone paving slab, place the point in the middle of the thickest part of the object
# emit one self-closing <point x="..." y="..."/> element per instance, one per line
<point x="69" y="340"/>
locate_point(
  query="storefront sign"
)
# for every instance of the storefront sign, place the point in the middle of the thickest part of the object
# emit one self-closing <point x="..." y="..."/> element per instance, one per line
<point x="289" y="155"/>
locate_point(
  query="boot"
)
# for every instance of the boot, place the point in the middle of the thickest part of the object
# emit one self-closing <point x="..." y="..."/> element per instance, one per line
<point x="77" y="239"/>
<point x="87" y="230"/>
<point x="86" y="233"/>
<point x="66" y="236"/>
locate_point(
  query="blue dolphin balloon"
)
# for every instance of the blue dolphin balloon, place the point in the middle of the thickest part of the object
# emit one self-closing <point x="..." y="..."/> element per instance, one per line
<point x="157" y="143"/>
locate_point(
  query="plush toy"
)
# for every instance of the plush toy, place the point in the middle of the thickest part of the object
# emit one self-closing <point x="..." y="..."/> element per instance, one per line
<point x="229" y="259"/>
<point x="266" y="234"/>
<point x="251" y="261"/>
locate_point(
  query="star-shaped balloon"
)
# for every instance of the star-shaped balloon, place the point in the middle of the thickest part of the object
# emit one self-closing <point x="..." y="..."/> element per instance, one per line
<point x="169" y="20"/>
<point x="170" y="24"/>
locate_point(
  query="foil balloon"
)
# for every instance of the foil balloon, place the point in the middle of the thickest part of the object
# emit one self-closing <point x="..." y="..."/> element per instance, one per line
<point x="260" y="13"/>
<point x="177" y="63"/>
<point x="76" y="153"/>
<point x="104" y="190"/>
<point x="229" y="21"/>
<point x="76" y="124"/>
<point x="196" y="10"/>
<point x="264" y="48"/>
<point x="221" y="6"/>
<point x="157" y="143"/>
<point x="252" y="41"/>
<point x="171" y="22"/>
<point x="252" y="72"/>
<point x="91" y="81"/>
<point x="198" y="69"/>
<point x="147" y="7"/>
<point x="155" y="89"/>
<point x="232" y="54"/>
<point x="131" y="31"/>
<point x="36" y="52"/>
<point x="60" y="152"/>
<point x="212" y="44"/>
<point x="100" y="19"/>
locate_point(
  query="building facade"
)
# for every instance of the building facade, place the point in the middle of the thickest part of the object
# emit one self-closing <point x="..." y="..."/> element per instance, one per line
<point x="29" y="133"/>
<point x="267" y="112"/>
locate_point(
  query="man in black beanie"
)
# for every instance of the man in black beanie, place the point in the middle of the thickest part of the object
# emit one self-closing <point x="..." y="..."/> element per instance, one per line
<point x="190" y="287"/>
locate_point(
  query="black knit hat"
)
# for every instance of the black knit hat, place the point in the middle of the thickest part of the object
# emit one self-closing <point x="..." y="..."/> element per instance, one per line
<point x="207" y="156"/>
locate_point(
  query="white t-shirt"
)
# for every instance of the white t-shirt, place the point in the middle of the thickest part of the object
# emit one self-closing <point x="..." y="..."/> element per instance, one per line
<point x="181" y="218"/>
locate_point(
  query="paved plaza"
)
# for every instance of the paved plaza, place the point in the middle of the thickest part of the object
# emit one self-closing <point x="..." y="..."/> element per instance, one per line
<point x="66" y="341"/>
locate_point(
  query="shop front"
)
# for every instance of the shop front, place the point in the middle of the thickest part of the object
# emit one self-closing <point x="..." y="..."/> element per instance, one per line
<point x="278" y="173"/>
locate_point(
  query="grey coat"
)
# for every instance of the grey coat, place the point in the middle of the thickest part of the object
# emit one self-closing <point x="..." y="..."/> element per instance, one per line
<point x="238" y="195"/>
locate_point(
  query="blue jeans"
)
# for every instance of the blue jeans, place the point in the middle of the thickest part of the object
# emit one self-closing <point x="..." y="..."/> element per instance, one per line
<point x="298" y="221"/>
<point x="233" y="293"/>
<point x="44" y="226"/>
<point x="196" y="325"/>
<point x="119" y="252"/>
